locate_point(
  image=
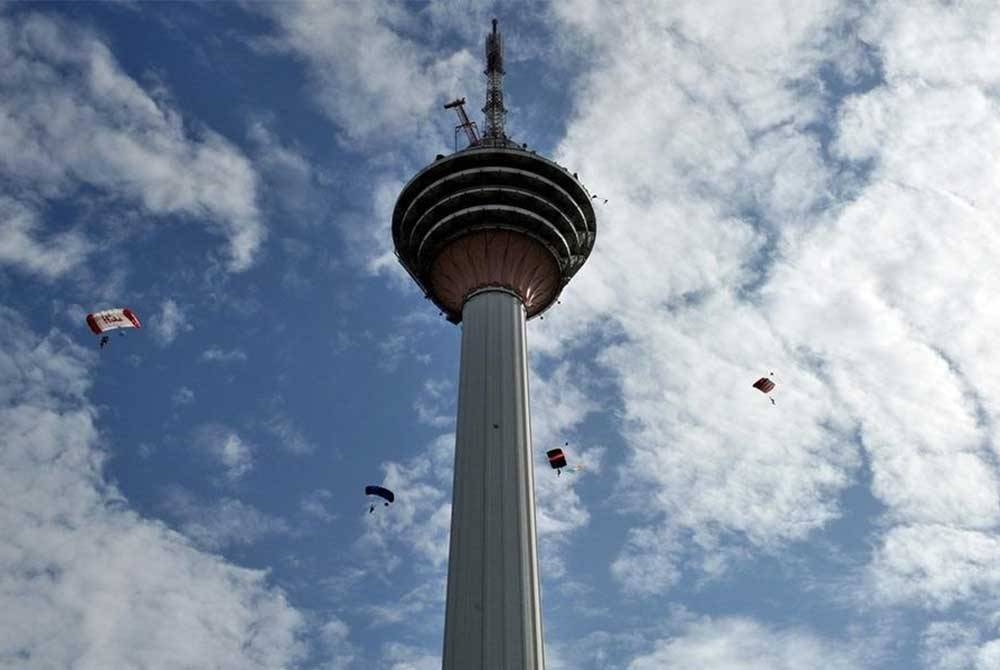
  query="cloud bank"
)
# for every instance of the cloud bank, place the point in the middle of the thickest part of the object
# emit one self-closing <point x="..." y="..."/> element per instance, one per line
<point x="73" y="123"/>
<point x="84" y="581"/>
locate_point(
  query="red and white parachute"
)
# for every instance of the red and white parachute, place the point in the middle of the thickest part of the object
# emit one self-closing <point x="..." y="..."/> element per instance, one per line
<point x="112" y="319"/>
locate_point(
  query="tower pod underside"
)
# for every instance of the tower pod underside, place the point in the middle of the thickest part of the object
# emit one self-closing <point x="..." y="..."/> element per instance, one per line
<point x="493" y="217"/>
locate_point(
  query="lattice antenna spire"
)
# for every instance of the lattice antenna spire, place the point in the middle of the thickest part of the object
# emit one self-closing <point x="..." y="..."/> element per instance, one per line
<point x="494" y="109"/>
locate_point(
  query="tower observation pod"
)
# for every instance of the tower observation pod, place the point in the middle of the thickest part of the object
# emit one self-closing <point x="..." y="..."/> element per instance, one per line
<point x="491" y="234"/>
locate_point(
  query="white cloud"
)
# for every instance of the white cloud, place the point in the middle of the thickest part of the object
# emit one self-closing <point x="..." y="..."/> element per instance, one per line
<point x="170" y="322"/>
<point x="376" y="84"/>
<point x="314" y="504"/>
<point x="935" y="566"/>
<point x="411" y="607"/>
<point x="223" y="523"/>
<point x="383" y="90"/>
<point x="729" y="135"/>
<point x="403" y="343"/>
<point x="219" y="355"/>
<point x="289" y="436"/>
<point x="559" y="405"/>
<point x="709" y="453"/>
<point x="648" y="563"/>
<point x="338" y="652"/>
<point x="988" y="656"/>
<point x="807" y="190"/>
<point x="21" y="247"/>
<point x="598" y="649"/>
<point x="434" y="406"/>
<point x="420" y="519"/>
<point x="86" y="582"/>
<point x="943" y="45"/>
<point x="182" y="396"/>
<point x="69" y="117"/>
<point x="948" y="646"/>
<point x="416" y="526"/>
<point x="226" y="447"/>
<point x="398" y="656"/>
<point x="743" y="644"/>
<point x="303" y="194"/>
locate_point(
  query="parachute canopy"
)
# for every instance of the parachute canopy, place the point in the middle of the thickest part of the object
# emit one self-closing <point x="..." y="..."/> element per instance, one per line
<point x="764" y="385"/>
<point x="381" y="492"/>
<point x="557" y="459"/>
<point x="112" y="319"/>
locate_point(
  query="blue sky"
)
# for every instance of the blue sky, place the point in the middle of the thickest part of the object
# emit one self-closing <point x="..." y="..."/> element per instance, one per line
<point x="808" y="188"/>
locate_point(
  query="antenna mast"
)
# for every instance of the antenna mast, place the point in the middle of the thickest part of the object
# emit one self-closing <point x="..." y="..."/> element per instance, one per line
<point x="494" y="109"/>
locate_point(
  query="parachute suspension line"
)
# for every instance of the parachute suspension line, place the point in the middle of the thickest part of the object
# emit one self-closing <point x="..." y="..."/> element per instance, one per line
<point x="494" y="110"/>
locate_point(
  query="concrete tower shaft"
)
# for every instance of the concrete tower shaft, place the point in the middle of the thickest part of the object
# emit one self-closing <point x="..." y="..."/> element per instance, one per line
<point x="493" y="617"/>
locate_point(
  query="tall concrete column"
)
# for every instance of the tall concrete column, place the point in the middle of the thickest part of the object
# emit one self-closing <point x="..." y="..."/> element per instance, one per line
<point x="492" y="234"/>
<point x="493" y="613"/>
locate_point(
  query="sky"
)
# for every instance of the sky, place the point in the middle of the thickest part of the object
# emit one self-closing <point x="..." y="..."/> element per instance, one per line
<point x="806" y="188"/>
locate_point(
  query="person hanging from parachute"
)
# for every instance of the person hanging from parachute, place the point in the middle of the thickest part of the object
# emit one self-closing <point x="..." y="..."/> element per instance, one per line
<point x="101" y="323"/>
<point x="765" y="386"/>
<point x="382" y="492"/>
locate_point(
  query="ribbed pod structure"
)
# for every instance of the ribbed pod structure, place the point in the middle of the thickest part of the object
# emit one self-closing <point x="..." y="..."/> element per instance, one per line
<point x="543" y="212"/>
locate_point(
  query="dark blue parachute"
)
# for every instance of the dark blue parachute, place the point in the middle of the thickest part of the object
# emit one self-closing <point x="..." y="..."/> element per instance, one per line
<point x="381" y="492"/>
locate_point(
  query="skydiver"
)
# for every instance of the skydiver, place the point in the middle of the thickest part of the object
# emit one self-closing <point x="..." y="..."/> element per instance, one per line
<point x="371" y="508"/>
<point x="772" y="400"/>
<point x="104" y="341"/>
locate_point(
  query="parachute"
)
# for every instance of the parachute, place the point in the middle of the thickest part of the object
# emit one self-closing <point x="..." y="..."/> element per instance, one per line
<point x="765" y="386"/>
<point x="557" y="459"/>
<point x="381" y="492"/>
<point x="111" y="319"/>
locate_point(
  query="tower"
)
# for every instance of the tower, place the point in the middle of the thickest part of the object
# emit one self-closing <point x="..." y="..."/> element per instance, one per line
<point x="491" y="234"/>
